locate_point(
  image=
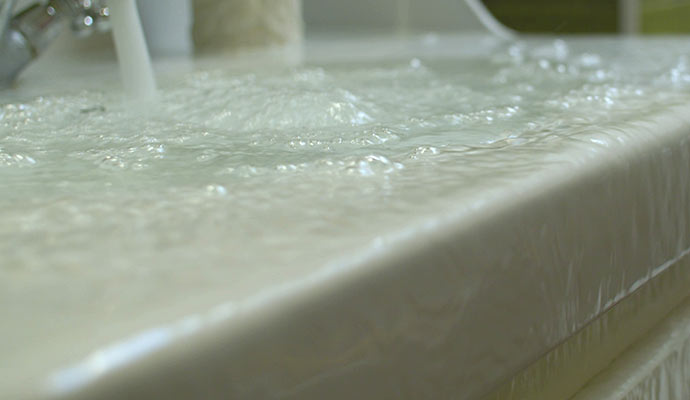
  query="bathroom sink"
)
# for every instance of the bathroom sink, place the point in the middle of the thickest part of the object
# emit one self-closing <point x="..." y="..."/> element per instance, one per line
<point x="423" y="215"/>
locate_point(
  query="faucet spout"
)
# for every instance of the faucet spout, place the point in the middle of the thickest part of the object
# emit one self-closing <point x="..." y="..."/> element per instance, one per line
<point x="24" y="36"/>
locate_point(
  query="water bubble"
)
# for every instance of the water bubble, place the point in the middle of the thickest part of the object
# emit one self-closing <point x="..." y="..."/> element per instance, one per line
<point x="516" y="52"/>
<point x="561" y="49"/>
<point x="112" y="163"/>
<point x="216" y="190"/>
<point x="589" y="60"/>
<point x="424" y="151"/>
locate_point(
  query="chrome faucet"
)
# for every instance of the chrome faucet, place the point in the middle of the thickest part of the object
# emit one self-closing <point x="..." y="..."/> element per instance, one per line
<point x="26" y="34"/>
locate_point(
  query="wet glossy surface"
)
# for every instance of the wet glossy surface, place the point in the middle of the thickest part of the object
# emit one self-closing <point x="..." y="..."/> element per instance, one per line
<point x="116" y="219"/>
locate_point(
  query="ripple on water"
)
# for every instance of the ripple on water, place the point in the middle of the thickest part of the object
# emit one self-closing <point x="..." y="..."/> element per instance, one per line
<point x="230" y="156"/>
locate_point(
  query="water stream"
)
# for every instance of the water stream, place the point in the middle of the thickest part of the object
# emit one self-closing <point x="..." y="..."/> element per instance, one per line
<point x="133" y="56"/>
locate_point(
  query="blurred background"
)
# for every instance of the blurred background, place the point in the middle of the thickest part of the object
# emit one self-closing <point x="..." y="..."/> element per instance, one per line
<point x="593" y="16"/>
<point x="529" y="16"/>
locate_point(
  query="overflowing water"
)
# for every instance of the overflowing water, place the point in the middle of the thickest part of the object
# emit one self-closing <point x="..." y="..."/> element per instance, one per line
<point x="236" y="178"/>
<point x="229" y="163"/>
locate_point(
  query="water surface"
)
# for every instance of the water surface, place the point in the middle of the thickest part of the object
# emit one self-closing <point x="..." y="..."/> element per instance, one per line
<point x="239" y="179"/>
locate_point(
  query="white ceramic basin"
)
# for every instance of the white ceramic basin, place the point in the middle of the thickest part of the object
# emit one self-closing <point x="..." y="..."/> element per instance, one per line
<point x="421" y="216"/>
